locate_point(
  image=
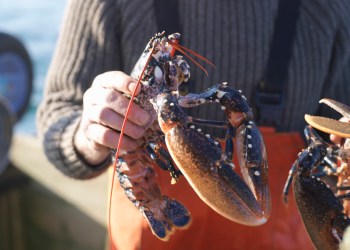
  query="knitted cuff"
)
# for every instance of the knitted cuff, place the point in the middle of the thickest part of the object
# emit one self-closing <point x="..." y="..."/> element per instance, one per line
<point x="60" y="150"/>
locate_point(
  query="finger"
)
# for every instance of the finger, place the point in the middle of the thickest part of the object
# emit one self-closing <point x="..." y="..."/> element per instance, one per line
<point x="111" y="119"/>
<point x="114" y="100"/>
<point x="118" y="81"/>
<point x="336" y="139"/>
<point x="108" y="137"/>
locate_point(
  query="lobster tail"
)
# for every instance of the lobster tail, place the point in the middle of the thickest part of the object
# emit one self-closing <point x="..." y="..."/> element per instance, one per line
<point x="178" y="214"/>
<point x="173" y="216"/>
<point x="138" y="180"/>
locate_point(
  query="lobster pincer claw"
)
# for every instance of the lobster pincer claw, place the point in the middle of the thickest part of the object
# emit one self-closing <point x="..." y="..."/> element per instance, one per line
<point x="332" y="126"/>
<point x="208" y="170"/>
<point x="250" y="146"/>
<point x="252" y="158"/>
<point x="320" y="209"/>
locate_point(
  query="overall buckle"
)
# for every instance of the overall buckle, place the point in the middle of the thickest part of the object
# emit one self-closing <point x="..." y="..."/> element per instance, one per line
<point x="270" y="108"/>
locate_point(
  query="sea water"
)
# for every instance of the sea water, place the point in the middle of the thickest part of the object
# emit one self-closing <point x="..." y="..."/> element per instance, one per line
<point x="36" y="23"/>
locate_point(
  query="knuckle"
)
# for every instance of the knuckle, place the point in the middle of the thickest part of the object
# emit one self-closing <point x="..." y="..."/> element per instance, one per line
<point x="138" y="133"/>
<point x="112" y="96"/>
<point x="100" y="114"/>
<point x="128" y="144"/>
<point x="105" y="136"/>
<point x="132" y="146"/>
<point x="121" y="106"/>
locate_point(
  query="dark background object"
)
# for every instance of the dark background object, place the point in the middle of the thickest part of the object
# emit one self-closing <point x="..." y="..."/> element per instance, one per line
<point x="16" y="74"/>
<point x="7" y="119"/>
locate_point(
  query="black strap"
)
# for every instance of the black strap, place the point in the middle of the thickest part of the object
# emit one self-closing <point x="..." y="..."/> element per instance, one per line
<point x="168" y="20"/>
<point x="271" y="92"/>
<point x="167" y="15"/>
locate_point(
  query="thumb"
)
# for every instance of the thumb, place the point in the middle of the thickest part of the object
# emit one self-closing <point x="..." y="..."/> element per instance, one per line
<point x="117" y="80"/>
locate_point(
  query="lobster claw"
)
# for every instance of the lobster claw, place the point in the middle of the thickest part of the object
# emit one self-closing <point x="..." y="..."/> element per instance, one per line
<point x="320" y="209"/>
<point x="252" y="157"/>
<point x="208" y="170"/>
<point x="250" y="147"/>
<point x="332" y="126"/>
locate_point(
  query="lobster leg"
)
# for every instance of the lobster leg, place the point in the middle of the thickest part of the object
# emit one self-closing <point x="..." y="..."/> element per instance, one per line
<point x="208" y="170"/>
<point x="162" y="159"/>
<point x="291" y="175"/>
<point x="344" y="196"/>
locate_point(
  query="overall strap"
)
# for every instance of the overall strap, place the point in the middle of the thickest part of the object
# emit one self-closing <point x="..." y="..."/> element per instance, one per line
<point x="167" y="16"/>
<point x="271" y="92"/>
<point x="168" y="20"/>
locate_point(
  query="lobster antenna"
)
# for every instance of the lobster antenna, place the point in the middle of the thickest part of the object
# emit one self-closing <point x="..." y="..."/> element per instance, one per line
<point x="175" y="43"/>
<point x="119" y="145"/>
<point x="184" y="51"/>
<point x="196" y="54"/>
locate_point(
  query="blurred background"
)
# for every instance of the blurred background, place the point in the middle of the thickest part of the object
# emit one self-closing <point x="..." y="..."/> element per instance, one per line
<point x="36" y="24"/>
<point x="39" y="208"/>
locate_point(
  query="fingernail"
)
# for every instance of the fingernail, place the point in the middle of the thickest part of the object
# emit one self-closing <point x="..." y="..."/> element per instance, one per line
<point x="132" y="86"/>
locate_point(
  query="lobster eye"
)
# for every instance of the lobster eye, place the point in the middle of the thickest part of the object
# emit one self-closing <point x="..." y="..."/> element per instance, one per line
<point x="156" y="50"/>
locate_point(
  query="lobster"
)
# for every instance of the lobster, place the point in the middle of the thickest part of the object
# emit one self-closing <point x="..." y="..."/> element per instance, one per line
<point x="321" y="202"/>
<point x="169" y="144"/>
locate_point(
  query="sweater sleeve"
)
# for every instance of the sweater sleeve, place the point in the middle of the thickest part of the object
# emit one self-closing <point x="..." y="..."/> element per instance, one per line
<point x="80" y="55"/>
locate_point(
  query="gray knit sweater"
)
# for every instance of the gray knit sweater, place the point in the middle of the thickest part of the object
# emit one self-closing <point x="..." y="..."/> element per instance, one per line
<point x="104" y="35"/>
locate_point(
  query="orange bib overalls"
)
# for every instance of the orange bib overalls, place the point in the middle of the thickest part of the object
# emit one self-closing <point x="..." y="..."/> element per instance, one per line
<point x="211" y="231"/>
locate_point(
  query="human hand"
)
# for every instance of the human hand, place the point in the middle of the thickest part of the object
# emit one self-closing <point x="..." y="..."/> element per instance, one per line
<point x="336" y="139"/>
<point x="104" y="109"/>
